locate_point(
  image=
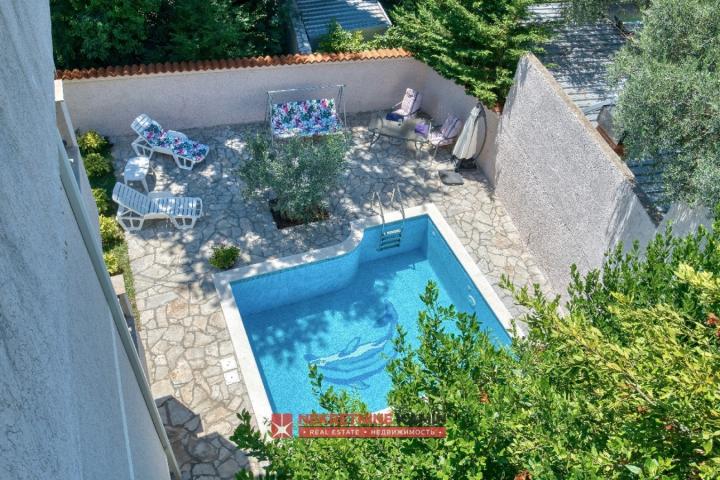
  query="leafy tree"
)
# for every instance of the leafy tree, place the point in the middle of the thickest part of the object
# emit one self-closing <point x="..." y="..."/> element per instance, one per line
<point x="300" y="172"/>
<point x="668" y="105"/>
<point x="475" y="43"/>
<point x="92" y="33"/>
<point x="216" y="29"/>
<point x="99" y="32"/>
<point x="624" y="385"/>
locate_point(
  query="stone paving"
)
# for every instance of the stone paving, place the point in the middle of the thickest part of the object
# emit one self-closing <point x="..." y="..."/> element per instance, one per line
<point x="190" y="357"/>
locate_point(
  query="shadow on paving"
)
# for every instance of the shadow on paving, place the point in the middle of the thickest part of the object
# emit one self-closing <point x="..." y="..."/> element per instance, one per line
<point x="199" y="457"/>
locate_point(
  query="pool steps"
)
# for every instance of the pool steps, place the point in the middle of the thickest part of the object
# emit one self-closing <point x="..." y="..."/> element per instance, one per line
<point x="393" y="237"/>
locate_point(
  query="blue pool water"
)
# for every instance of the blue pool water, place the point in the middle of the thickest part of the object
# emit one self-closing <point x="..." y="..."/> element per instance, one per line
<point x="341" y="314"/>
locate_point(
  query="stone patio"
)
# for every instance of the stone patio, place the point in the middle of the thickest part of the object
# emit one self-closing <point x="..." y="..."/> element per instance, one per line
<point x="190" y="358"/>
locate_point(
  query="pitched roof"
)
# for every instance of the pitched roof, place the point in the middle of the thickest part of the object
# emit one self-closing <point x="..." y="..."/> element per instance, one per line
<point x="351" y="14"/>
<point x="578" y="56"/>
<point x="249" y="62"/>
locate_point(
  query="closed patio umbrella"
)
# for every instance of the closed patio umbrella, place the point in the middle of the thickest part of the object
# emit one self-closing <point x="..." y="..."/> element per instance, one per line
<point x="472" y="138"/>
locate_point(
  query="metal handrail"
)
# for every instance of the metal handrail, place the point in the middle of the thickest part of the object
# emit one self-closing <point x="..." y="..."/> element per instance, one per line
<point x="396" y="189"/>
<point x="379" y="201"/>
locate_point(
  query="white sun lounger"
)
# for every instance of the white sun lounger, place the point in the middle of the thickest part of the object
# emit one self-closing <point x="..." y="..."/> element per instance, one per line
<point x="153" y="138"/>
<point x="136" y="207"/>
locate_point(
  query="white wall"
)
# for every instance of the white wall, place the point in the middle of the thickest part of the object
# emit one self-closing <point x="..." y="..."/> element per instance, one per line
<point x="209" y="98"/>
<point x="568" y="193"/>
<point x="70" y="406"/>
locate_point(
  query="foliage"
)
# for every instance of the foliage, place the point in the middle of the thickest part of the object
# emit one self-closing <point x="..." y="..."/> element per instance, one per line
<point x="342" y="41"/>
<point x="300" y="172"/>
<point x="102" y="201"/>
<point x="477" y="44"/>
<point x="93" y="33"/>
<point x="112" y="263"/>
<point x="227" y="29"/>
<point x="668" y="104"/>
<point x="623" y="385"/>
<point x="97" y="165"/>
<point x="110" y="233"/>
<point x="92" y="142"/>
<point x="99" y="32"/>
<point x="224" y="256"/>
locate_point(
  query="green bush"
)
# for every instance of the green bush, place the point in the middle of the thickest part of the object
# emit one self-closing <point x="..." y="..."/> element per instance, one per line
<point x="102" y="201"/>
<point x="224" y="256"/>
<point x="110" y="232"/>
<point x="622" y="384"/>
<point x="97" y="166"/>
<point x="92" y="142"/>
<point x="300" y="172"/>
<point x="112" y="263"/>
<point x="339" y="40"/>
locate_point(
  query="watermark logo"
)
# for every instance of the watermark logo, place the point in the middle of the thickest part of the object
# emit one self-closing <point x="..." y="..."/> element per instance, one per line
<point x="355" y="425"/>
<point x="281" y="425"/>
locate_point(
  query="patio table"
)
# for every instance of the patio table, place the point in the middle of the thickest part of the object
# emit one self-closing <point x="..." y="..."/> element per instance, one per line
<point x="400" y="129"/>
<point x="136" y="170"/>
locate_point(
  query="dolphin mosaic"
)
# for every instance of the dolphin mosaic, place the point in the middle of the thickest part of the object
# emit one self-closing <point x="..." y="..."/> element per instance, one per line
<point x="358" y="361"/>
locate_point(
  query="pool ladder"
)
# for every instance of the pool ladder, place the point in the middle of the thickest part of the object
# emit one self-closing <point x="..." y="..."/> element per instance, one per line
<point x="390" y="237"/>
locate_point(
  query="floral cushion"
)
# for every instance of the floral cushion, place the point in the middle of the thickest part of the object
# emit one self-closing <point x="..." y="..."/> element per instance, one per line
<point x="304" y="118"/>
<point x="178" y="144"/>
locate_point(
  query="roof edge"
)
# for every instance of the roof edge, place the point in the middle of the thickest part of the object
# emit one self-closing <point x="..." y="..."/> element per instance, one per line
<point x="228" y="64"/>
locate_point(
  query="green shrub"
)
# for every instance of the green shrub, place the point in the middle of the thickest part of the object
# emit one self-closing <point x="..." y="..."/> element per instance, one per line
<point x="97" y="166"/>
<point x="300" y="172"/>
<point x="92" y="142"/>
<point x="110" y="232"/>
<point x="339" y="40"/>
<point x="102" y="201"/>
<point x="112" y="263"/>
<point x="623" y="384"/>
<point x="224" y="256"/>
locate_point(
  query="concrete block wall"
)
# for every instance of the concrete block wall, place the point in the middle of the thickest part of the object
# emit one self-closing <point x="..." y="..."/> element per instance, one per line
<point x="569" y="194"/>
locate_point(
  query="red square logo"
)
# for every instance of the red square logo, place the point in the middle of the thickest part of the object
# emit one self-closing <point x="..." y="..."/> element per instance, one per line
<point x="281" y="425"/>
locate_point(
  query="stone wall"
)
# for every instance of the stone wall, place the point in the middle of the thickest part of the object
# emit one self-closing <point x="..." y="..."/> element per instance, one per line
<point x="569" y="194"/>
<point x="216" y="97"/>
<point x="71" y="406"/>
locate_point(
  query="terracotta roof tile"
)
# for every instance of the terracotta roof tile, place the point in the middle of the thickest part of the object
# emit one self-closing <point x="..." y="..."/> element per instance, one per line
<point x="248" y="62"/>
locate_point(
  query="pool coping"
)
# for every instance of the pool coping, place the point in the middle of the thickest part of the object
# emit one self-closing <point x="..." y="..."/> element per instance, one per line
<point x="247" y="364"/>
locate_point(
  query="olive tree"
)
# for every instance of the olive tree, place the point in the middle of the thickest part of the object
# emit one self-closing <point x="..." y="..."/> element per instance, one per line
<point x="668" y="105"/>
<point x="299" y="172"/>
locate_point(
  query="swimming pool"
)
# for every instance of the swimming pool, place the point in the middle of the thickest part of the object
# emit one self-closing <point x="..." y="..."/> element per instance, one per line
<point x="339" y="307"/>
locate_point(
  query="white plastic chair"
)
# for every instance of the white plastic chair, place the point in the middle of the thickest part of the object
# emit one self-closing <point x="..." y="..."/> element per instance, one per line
<point x="143" y="147"/>
<point x="135" y="208"/>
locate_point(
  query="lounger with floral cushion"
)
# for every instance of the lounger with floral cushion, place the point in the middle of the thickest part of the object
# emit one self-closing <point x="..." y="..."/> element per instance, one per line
<point x="153" y="138"/>
<point x="136" y="207"/>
